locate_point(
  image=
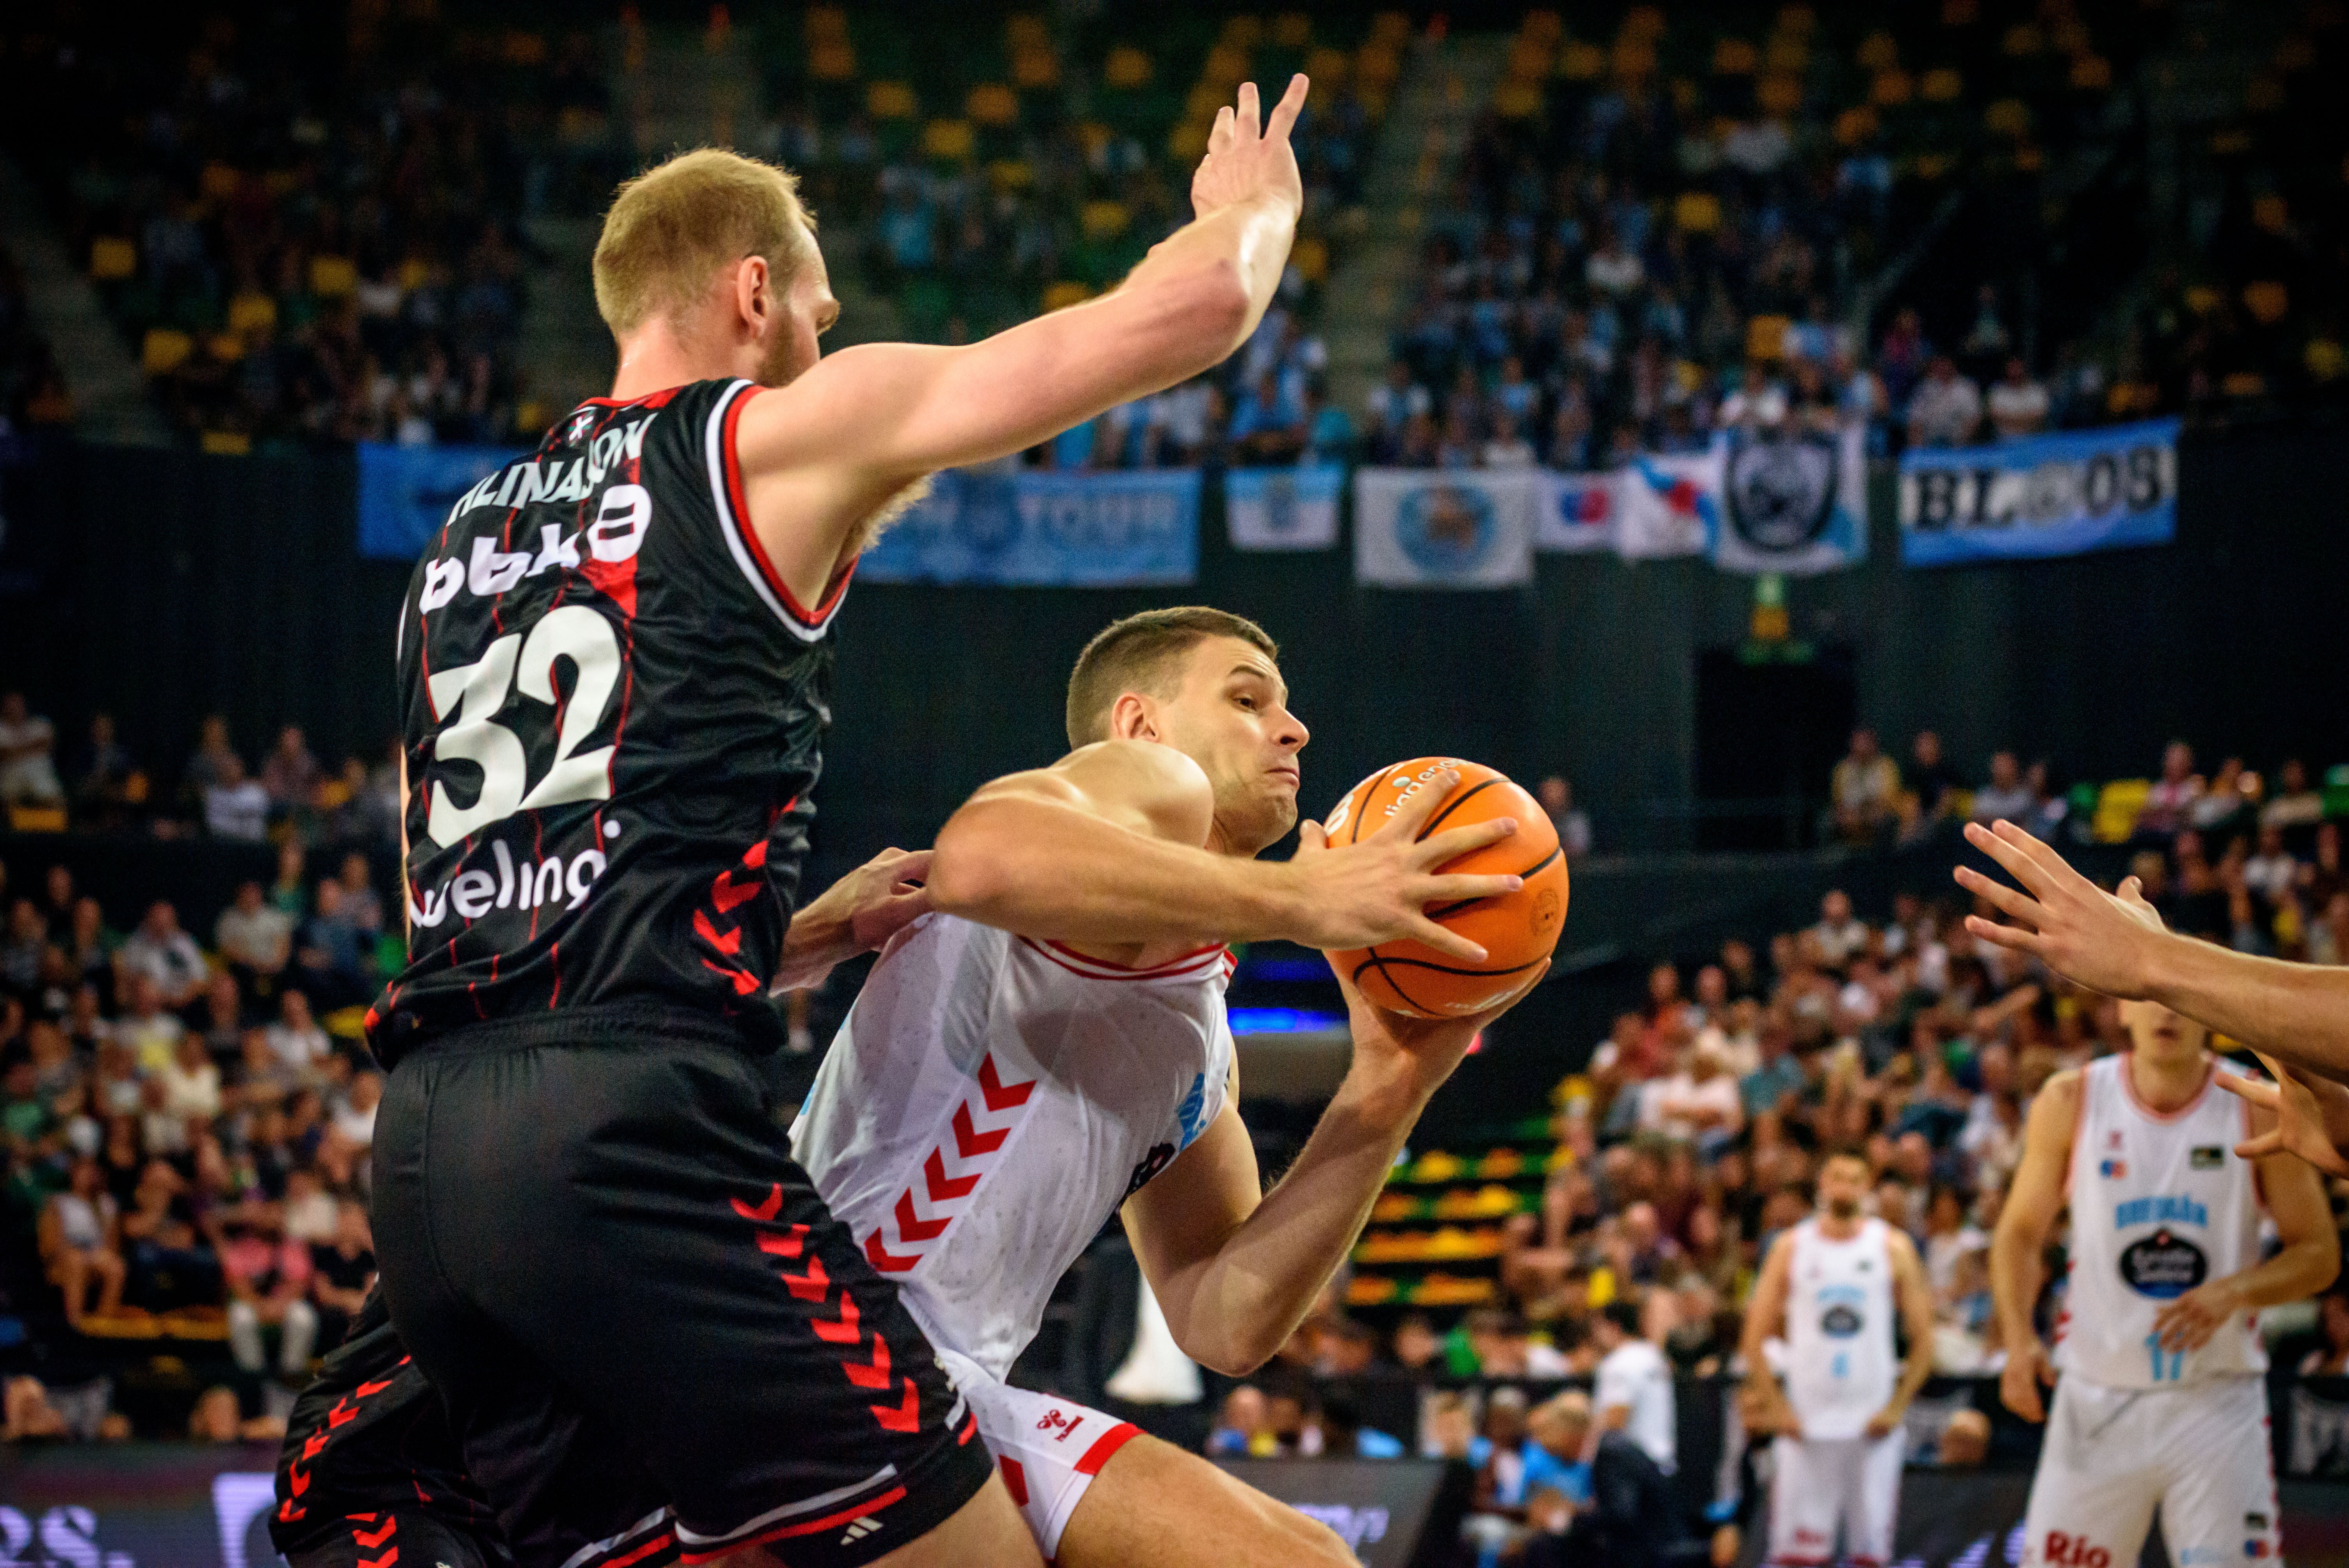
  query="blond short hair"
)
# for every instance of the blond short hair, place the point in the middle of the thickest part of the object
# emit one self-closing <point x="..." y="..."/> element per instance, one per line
<point x="1143" y="653"/>
<point x="671" y="228"/>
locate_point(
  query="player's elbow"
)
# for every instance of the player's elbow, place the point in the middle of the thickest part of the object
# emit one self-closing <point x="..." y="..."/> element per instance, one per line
<point x="1229" y="1357"/>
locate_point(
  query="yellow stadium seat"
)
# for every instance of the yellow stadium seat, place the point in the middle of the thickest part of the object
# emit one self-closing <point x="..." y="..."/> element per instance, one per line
<point x="1765" y="337"/>
<point x="1517" y="100"/>
<point x="164" y="350"/>
<point x="1035" y="69"/>
<point x="112" y="258"/>
<point x="1328" y="66"/>
<point x="225" y="444"/>
<point x="1127" y="66"/>
<point x="219" y="182"/>
<point x="832" y="61"/>
<point x="2119" y="805"/>
<point x="1103" y="219"/>
<point x="2092" y="73"/>
<point x="992" y="103"/>
<point x="1697" y="212"/>
<point x="1061" y="296"/>
<point x="1880" y="52"/>
<point x="1735" y="57"/>
<point x="950" y="138"/>
<point x="1779" y="93"/>
<point x="1632" y="60"/>
<point x="1891" y="88"/>
<point x="2267" y="300"/>
<point x="1292" y="30"/>
<point x="2007" y="117"/>
<point x="252" y="311"/>
<point x="1942" y="85"/>
<point x="891" y="101"/>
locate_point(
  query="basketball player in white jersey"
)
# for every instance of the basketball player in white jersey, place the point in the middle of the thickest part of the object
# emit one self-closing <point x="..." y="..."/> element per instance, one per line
<point x="1829" y="1289"/>
<point x="999" y="1089"/>
<point x="2161" y="1402"/>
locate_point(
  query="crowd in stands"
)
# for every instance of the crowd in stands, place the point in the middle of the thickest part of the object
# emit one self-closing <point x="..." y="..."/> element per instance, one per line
<point x="32" y="393"/>
<point x="287" y="796"/>
<point x="305" y="238"/>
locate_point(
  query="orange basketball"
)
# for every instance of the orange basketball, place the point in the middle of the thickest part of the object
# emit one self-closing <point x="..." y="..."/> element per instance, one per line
<point x="1517" y="930"/>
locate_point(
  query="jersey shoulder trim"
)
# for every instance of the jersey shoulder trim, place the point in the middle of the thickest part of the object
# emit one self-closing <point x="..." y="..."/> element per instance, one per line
<point x="1198" y="963"/>
<point x="742" y="539"/>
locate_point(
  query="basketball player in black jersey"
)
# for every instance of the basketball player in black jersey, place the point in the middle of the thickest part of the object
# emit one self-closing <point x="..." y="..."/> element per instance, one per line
<point x="613" y="672"/>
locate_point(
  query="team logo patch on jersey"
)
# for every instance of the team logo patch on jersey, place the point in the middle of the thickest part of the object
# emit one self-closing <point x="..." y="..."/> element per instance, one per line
<point x="2255" y="1521"/>
<point x="2163" y="1265"/>
<point x="2206" y="1156"/>
<point x="1840" y="1322"/>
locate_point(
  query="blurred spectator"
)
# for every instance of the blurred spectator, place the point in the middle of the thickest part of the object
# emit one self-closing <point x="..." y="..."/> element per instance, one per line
<point x="1840" y="934"/>
<point x="1931" y="780"/>
<point x="290" y="773"/>
<point x="81" y="1243"/>
<point x="1865" y="789"/>
<point x="2018" y="405"/>
<point x="109" y="789"/>
<point x="1572" y="823"/>
<point x="254" y="939"/>
<point x="1634" y="1390"/>
<point x="162" y="952"/>
<point x="2173" y="795"/>
<point x="295" y="1039"/>
<point x="341" y="1270"/>
<point x="2006" y="795"/>
<point x="236" y="808"/>
<point x="268" y="1279"/>
<point x="28" y="769"/>
<point x="2294" y="804"/>
<point x="1945" y="407"/>
<point x="207" y="765"/>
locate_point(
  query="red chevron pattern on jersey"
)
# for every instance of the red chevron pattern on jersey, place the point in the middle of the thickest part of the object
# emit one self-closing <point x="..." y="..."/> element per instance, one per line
<point x="733" y="888"/>
<point x="982" y="1121"/>
<point x="344" y="1411"/>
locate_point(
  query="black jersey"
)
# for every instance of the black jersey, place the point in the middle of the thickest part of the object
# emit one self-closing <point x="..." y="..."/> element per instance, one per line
<point x="614" y="711"/>
<point x="369" y="1436"/>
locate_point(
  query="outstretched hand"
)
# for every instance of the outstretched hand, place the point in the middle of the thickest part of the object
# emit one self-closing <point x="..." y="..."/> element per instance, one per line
<point x="2312" y="1115"/>
<point x="1379" y="889"/>
<point x="2106" y="941"/>
<point x="1246" y="163"/>
<point x="858" y="913"/>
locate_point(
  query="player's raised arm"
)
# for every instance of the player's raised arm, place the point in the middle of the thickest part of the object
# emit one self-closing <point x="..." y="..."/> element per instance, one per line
<point x="2297" y="1012"/>
<point x="2033" y="1202"/>
<point x="821" y="455"/>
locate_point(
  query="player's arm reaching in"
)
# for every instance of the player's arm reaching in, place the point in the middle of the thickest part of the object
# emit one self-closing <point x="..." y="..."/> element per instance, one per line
<point x="1236" y="1268"/>
<point x="1912" y="1294"/>
<point x="2115" y="943"/>
<point x="1766" y="1407"/>
<point x="858" y="913"/>
<point x="1105" y="846"/>
<point x="2303" y="1265"/>
<point x="2018" y="1245"/>
<point x="2307" y="1115"/>
<point x="821" y="455"/>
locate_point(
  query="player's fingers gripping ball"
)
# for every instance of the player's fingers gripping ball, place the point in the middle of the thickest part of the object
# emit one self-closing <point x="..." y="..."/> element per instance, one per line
<point x="1517" y="930"/>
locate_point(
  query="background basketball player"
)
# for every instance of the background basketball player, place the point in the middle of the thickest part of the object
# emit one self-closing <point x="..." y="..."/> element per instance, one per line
<point x="1830" y="1286"/>
<point x="1001" y="1089"/>
<point x="2161" y="1402"/>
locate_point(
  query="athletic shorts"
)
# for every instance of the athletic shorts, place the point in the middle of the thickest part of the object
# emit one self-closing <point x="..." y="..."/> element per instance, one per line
<point x="639" y="1312"/>
<point x="2199" y="1452"/>
<point x="1048" y="1448"/>
<point x="1821" y="1488"/>
<point x="402" y="1537"/>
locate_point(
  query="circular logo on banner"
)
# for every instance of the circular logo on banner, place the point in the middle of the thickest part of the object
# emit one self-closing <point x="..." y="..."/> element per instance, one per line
<point x="1840" y="1322"/>
<point x="1445" y="528"/>
<point x="1782" y="491"/>
<point x="2163" y="1265"/>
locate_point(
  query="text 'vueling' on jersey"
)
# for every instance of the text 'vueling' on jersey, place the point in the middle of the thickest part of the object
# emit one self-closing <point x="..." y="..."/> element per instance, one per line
<point x="613" y="712"/>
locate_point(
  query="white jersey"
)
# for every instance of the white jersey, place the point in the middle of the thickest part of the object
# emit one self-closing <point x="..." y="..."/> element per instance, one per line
<point x="2159" y="1204"/>
<point x="990" y="1103"/>
<point x="1840" y="1364"/>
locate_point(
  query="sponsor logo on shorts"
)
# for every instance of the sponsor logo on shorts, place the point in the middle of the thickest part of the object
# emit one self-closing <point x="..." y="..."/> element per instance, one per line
<point x="2063" y="1550"/>
<point x="2206" y="1156"/>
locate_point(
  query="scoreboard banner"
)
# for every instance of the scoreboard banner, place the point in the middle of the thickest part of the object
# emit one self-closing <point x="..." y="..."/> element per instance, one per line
<point x="1016" y="526"/>
<point x="2041" y="496"/>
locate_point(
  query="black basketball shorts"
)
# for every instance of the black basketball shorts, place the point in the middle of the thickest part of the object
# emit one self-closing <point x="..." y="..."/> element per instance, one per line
<point x="643" y="1318"/>
<point x="403" y="1537"/>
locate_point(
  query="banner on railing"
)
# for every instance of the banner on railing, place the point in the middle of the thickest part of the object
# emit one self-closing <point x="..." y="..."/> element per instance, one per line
<point x="1575" y="511"/>
<point x="2044" y="495"/>
<point x="1667" y="504"/>
<point x="1429" y="527"/>
<point x="1284" y="509"/>
<point x="405" y="492"/>
<point x="1019" y="527"/>
<point x="1796" y="503"/>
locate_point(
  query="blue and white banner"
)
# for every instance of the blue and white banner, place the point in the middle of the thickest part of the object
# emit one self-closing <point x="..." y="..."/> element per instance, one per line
<point x="1284" y="509"/>
<point x="1018" y="526"/>
<point x="1796" y="503"/>
<point x="405" y="492"/>
<point x="1431" y="527"/>
<point x="2042" y="495"/>
<point x="1667" y="505"/>
<point x="1576" y="511"/>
